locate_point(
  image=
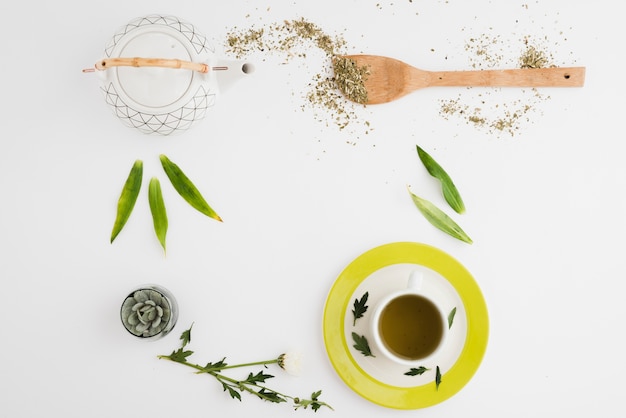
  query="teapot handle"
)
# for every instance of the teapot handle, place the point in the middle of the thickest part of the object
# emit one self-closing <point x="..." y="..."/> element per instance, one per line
<point x="151" y="62"/>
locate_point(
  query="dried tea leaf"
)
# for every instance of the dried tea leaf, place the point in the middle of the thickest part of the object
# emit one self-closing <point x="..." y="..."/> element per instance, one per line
<point x="450" y="192"/>
<point x="128" y="197"/>
<point x="439" y="219"/>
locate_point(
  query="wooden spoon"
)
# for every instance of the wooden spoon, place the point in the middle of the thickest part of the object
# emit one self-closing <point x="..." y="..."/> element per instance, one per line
<point x="390" y="79"/>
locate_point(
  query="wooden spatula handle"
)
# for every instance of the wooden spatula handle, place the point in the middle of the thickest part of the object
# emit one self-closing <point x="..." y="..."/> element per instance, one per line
<point x="531" y="77"/>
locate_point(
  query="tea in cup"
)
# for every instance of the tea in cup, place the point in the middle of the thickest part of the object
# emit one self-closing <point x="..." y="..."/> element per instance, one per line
<point x="407" y="325"/>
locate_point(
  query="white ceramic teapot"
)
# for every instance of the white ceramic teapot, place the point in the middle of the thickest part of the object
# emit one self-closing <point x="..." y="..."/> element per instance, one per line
<point x="160" y="75"/>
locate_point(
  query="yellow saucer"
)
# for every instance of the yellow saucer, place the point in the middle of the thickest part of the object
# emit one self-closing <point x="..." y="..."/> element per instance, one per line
<point x="340" y="300"/>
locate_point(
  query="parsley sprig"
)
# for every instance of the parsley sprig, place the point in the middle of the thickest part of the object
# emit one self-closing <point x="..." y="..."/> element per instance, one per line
<point x="253" y="384"/>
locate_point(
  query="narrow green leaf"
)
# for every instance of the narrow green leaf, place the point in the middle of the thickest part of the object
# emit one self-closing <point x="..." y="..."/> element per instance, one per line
<point x="361" y="344"/>
<point x="439" y="219"/>
<point x="416" y="371"/>
<point x="157" y="207"/>
<point x="450" y="192"/>
<point x="186" y="188"/>
<point x="451" y="317"/>
<point x="438" y="377"/>
<point x="128" y="197"/>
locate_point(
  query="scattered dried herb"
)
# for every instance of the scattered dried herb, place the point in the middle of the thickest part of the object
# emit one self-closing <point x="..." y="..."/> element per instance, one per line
<point x="336" y="77"/>
<point x="449" y="190"/>
<point x="360" y="307"/>
<point x="128" y="197"/>
<point x="439" y="219"/>
<point x="350" y="78"/>
<point x="489" y="109"/>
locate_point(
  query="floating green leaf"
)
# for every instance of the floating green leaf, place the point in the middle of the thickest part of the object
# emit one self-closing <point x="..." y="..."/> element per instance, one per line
<point x="361" y="344"/>
<point x="186" y="188"/>
<point x="360" y="307"/>
<point x="450" y="192"/>
<point x="128" y="197"/>
<point x="416" y="371"/>
<point x="439" y="219"/>
<point x="451" y="317"/>
<point x="157" y="207"/>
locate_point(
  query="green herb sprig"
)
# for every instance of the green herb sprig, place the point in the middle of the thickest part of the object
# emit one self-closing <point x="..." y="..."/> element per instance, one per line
<point x="361" y="344"/>
<point x="438" y="377"/>
<point x="416" y="371"/>
<point x="439" y="219"/>
<point x="359" y="307"/>
<point x="449" y="190"/>
<point x="253" y="384"/>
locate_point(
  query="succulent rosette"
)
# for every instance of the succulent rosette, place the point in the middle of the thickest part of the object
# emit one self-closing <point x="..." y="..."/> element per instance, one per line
<point x="146" y="313"/>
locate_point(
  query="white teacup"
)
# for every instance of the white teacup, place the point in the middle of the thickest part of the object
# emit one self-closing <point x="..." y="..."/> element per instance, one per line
<point x="408" y="326"/>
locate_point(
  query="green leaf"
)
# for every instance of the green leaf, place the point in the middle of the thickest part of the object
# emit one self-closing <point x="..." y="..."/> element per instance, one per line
<point x="416" y="371"/>
<point x="128" y="197"/>
<point x="157" y="207"/>
<point x="362" y="345"/>
<point x="450" y="192"/>
<point x="438" y="377"/>
<point x="439" y="219"/>
<point x="451" y="317"/>
<point x="232" y="392"/>
<point x="270" y="396"/>
<point x="260" y="377"/>
<point x="215" y="366"/>
<point x="180" y="356"/>
<point x="185" y="337"/>
<point x="360" y="307"/>
<point x="186" y="188"/>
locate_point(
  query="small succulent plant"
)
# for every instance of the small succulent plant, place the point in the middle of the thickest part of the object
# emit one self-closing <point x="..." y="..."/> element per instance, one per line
<point x="146" y="313"/>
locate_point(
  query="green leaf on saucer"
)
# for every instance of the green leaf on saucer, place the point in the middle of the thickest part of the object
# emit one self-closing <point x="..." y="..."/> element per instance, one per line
<point x="451" y="317"/>
<point x="360" y="307"/>
<point x="362" y="345"/>
<point x="438" y="377"/>
<point x="416" y="371"/>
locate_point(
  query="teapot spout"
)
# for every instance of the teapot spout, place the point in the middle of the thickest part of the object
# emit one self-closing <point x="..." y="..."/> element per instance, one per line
<point x="230" y="71"/>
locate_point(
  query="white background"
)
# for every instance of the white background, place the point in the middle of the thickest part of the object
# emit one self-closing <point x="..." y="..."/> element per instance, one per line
<point x="300" y="200"/>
